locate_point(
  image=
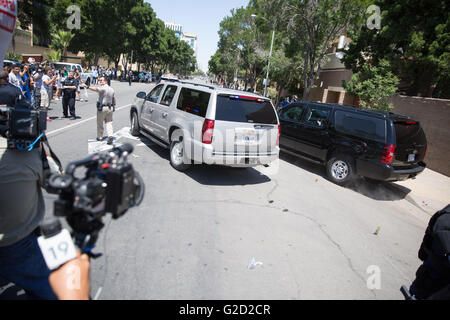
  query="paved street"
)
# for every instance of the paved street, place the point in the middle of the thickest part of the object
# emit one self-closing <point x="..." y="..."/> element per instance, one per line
<point x="195" y="233"/>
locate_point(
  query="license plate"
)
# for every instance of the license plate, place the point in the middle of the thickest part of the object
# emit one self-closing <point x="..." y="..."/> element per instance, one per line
<point x="246" y="136"/>
<point x="411" y="157"/>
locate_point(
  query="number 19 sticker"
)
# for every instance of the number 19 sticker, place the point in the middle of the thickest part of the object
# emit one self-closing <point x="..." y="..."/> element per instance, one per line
<point x="58" y="249"/>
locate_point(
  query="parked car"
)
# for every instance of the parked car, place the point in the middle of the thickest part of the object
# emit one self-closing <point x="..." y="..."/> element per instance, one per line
<point x="350" y="141"/>
<point x="10" y="63"/>
<point x="205" y="124"/>
<point x="86" y="77"/>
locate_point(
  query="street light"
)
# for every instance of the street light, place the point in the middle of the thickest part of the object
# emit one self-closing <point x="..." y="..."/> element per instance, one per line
<point x="268" y="64"/>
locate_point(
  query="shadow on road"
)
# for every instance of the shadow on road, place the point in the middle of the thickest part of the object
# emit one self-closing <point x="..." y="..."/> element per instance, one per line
<point x="226" y="176"/>
<point x="214" y="175"/>
<point x="377" y="190"/>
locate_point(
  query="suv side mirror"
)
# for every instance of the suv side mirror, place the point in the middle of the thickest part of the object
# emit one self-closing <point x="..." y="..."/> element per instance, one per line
<point x="141" y="95"/>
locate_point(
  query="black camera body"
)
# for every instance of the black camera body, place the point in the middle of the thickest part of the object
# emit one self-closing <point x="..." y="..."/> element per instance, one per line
<point x="36" y="67"/>
<point x="21" y="125"/>
<point x="110" y="185"/>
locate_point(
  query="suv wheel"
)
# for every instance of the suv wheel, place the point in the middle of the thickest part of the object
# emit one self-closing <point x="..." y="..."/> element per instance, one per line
<point x="340" y="169"/>
<point x="177" y="159"/>
<point x="134" y="125"/>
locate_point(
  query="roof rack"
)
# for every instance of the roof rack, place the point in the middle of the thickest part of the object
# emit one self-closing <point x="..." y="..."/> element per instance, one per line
<point x="198" y="84"/>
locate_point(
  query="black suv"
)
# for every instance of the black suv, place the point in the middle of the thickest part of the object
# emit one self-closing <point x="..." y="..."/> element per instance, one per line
<point x="352" y="141"/>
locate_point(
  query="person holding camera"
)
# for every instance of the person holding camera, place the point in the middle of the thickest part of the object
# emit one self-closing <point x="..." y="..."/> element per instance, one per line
<point x="8" y="93"/>
<point x="105" y="108"/>
<point x="25" y="82"/>
<point x="69" y="88"/>
<point x="36" y="77"/>
<point x="22" y="209"/>
<point x="47" y="82"/>
<point x="14" y="75"/>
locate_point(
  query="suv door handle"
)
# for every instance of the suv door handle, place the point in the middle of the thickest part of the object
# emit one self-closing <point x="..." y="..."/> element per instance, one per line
<point x="165" y="114"/>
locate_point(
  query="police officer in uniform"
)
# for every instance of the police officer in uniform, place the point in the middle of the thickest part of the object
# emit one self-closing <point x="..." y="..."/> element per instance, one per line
<point x="69" y="87"/>
<point x="105" y="108"/>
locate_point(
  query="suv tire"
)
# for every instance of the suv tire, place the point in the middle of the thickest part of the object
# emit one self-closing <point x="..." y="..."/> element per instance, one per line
<point x="135" y="130"/>
<point x="177" y="158"/>
<point x="341" y="169"/>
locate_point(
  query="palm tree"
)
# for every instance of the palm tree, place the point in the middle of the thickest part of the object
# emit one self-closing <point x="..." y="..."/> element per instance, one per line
<point x="54" y="56"/>
<point x="61" y="41"/>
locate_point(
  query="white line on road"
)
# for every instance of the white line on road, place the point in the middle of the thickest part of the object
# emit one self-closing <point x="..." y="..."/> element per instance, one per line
<point x="81" y="122"/>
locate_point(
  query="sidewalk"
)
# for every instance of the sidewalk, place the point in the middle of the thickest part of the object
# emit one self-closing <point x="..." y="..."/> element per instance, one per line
<point x="430" y="191"/>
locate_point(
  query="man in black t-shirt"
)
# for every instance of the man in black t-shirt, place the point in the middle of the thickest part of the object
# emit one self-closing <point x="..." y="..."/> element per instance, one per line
<point x="69" y="86"/>
<point x="8" y="92"/>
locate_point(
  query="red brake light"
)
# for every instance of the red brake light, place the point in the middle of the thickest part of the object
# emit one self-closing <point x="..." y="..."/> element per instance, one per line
<point x="388" y="154"/>
<point x="207" y="131"/>
<point x="411" y="122"/>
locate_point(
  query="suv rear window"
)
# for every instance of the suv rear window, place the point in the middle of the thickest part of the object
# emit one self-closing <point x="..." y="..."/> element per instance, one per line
<point x="360" y="125"/>
<point x="243" y="110"/>
<point x="407" y="132"/>
<point x="193" y="101"/>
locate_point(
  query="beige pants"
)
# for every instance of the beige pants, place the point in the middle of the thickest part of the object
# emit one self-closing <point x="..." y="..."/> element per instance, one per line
<point x="104" y="117"/>
<point x="45" y="99"/>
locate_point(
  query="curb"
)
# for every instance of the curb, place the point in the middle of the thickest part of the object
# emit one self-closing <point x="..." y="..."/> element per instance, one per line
<point x="408" y="197"/>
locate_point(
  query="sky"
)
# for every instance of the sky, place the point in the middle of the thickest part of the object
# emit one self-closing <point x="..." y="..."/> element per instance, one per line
<point x="200" y="17"/>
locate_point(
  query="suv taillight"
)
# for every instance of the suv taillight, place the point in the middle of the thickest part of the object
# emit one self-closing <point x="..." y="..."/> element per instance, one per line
<point x="207" y="131"/>
<point x="279" y="133"/>
<point x="388" y="154"/>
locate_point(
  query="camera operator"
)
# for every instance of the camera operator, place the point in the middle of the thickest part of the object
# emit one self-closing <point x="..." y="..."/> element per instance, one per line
<point x="25" y="81"/>
<point x="8" y="92"/>
<point x="105" y="108"/>
<point x="47" y="83"/>
<point x="22" y="209"/>
<point x="36" y="76"/>
<point x="14" y="75"/>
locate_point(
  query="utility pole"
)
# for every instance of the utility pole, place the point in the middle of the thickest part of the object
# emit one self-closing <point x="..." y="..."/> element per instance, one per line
<point x="268" y="65"/>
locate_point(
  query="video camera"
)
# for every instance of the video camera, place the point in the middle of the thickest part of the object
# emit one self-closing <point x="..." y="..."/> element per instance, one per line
<point x="110" y="185"/>
<point x="37" y="67"/>
<point x="21" y="125"/>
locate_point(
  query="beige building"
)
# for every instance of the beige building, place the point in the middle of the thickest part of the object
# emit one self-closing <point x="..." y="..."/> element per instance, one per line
<point x="22" y="43"/>
<point x="329" y="85"/>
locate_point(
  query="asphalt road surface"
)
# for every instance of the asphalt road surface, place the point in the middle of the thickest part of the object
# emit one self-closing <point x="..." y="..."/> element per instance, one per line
<point x="282" y="232"/>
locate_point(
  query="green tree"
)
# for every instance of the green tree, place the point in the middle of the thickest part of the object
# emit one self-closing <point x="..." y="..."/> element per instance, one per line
<point x="61" y="41"/>
<point x="373" y="85"/>
<point x="242" y="47"/>
<point x="54" y="56"/>
<point x="104" y="25"/>
<point x="36" y="12"/>
<point x="312" y="26"/>
<point x="10" y="55"/>
<point x="415" y="39"/>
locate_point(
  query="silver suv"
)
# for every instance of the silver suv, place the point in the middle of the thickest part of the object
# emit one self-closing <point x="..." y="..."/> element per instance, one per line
<point x="206" y="124"/>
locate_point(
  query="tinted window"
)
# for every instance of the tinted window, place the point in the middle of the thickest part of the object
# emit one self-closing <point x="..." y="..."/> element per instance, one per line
<point x="317" y="116"/>
<point x="361" y="126"/>
<point x="193" y="101"/>
<point x="59" y="66"/>
<point x="241" y="110"/>
<point x="408" y="132"/>
<point x="154" y="94"/>
<point x="168" y="95"/>
<point x="293" y="113"/>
